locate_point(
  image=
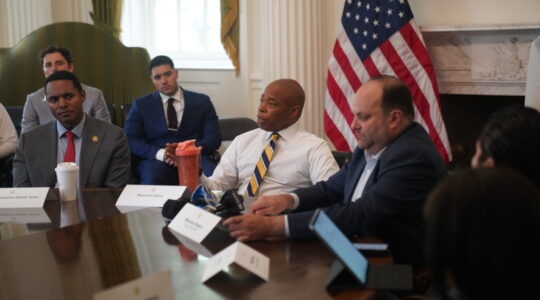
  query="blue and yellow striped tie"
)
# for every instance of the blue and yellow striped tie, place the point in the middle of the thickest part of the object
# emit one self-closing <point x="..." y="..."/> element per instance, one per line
<point x="262" y="166"/>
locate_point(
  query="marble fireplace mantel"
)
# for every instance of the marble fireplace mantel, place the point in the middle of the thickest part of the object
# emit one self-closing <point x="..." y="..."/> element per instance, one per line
<point x="480" y="60"/>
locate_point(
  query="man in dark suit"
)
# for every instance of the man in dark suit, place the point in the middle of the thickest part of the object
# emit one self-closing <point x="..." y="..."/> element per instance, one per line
<point x="379" y="192"/>
<point x="169" y="115"/>
<point x="99" y="148"/>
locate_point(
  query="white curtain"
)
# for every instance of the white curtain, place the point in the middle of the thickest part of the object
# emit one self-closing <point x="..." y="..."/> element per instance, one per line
<point x="20" y="17"/>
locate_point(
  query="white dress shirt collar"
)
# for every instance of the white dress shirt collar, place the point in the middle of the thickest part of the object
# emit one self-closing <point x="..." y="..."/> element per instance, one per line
<point x="285" y="134"/>
<point x="371" y="161"/>
<point x="178" y="96"/>
<point x="77" y="130"/>
<point x="370" y="156"/>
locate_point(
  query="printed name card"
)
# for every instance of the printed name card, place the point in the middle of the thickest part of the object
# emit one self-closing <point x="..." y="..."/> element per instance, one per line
<point x="194" y="223"/>
<point x="141" y="196"/>
<point x="23" y="197"/>
<point x="157" y="286"/>
<point x="242" y="255"/>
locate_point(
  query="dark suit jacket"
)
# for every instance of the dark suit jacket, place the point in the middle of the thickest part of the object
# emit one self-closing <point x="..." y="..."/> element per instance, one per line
<point x="146" y="125"/>
<point x="104" y="161"/>
<point x="391" y="205"/>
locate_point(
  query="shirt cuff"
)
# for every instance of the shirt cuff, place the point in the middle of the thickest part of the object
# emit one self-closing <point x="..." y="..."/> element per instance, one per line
<point x="286" y="225"/>
<point x="160" y="154"/>
<point x="296" y="201"/>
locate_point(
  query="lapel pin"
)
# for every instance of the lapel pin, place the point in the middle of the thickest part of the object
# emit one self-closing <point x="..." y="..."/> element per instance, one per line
<point x="95" y="139"/>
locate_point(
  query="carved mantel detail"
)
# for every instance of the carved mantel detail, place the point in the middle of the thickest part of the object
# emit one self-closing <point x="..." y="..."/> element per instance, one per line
<point x="488" y="60"/>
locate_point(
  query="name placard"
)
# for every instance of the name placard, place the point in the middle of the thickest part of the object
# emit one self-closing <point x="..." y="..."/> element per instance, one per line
<point x="157" y="286"/>
<point x="136" y="196"/>
<point x="194" y="223"/>
<point x="32" y="197"/>
<point x="242" y="255"/>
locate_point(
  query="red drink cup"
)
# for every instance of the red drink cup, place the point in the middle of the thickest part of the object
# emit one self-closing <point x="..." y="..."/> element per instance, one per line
<point x="188" y="160"/>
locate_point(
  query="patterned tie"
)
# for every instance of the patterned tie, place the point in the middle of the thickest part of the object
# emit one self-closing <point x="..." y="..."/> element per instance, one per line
<point x="262" y="166"/>
<point x="69" y="156"/>
<point x="171" y="114"/>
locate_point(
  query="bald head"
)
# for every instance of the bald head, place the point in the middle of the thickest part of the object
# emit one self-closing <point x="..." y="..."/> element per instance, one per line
<point x="293" y="93"/>
<point x="281" y="105"/>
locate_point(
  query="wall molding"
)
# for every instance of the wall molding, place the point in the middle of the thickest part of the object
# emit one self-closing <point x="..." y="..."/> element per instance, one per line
<point x="483" y="60"/>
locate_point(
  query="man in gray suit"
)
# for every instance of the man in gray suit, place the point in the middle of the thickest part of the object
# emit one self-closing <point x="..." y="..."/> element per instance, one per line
<point x="36" y="111"/>
<point x="101" y="149"/>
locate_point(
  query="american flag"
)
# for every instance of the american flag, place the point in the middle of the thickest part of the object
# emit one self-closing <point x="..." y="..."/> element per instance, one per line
<point x="380" y="37"/>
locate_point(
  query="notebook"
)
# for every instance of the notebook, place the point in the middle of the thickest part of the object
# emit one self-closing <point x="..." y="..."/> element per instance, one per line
<point x="352" y="269"/>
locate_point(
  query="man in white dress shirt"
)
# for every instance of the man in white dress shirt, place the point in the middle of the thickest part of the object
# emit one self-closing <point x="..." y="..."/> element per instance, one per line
<point x="300" y="159"/>
<point x="36" y="109"/>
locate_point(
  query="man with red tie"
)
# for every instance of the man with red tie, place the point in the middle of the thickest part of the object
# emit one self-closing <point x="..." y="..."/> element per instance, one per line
<point x="99" y="148"/>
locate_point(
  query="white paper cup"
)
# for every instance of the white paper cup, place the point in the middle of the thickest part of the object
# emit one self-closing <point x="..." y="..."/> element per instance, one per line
<point x="67" y="174"/>
<point x="69" y="213"/>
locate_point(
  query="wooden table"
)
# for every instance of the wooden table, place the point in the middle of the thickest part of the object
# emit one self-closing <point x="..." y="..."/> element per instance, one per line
<point x="106" y="248"/>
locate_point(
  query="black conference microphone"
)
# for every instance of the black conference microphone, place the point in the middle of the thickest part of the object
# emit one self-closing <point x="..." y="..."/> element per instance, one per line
<point x="172" y="207"/>
<point x="230" y="204"/>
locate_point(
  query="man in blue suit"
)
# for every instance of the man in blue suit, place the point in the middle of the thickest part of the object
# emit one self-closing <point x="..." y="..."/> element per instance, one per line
<point x="169" y="115"/>
<point x="379" y="192"/>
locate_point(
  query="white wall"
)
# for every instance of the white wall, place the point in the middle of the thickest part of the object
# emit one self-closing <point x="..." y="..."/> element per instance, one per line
<point x="223" y="88"/>
<point x="333" y="11"/>
<point x="475" y="12"/>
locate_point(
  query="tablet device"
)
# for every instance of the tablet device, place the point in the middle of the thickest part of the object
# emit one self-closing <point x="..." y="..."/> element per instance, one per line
<point x="373" y="249"/>
<point x="350" y="261"/>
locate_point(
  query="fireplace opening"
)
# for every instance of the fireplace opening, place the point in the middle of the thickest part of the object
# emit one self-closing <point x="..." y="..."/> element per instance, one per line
<point x="465" y="116"/>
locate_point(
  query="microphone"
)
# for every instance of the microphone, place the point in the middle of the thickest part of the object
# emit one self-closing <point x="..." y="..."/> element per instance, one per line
<point x="203" y="197"/>
<point x="172" y="207"/>
<point x="229" y="204"/>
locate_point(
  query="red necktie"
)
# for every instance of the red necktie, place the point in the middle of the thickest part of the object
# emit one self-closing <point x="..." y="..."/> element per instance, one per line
<point x="69" y="156"/>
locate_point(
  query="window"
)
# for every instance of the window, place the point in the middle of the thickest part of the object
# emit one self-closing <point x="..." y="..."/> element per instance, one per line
<point x="187" y="31"/>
